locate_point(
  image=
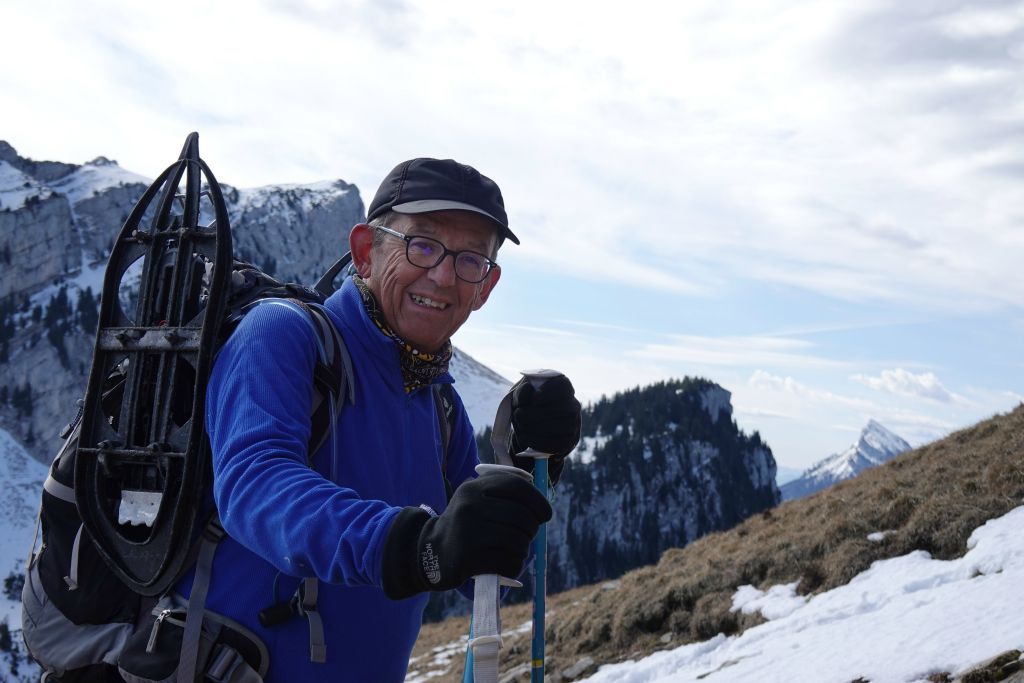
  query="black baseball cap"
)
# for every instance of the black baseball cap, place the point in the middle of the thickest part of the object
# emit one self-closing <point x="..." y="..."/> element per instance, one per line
<point x="422" y="185"/>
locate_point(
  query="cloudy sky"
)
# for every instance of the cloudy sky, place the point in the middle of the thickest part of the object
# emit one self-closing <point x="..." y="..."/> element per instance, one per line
<point x="818" y="205"/>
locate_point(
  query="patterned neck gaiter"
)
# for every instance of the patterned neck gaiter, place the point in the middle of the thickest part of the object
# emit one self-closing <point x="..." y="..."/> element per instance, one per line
<point x="419" y="369"/>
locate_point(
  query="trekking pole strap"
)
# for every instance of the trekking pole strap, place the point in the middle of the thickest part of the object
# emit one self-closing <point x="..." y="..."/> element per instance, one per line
<point x="486" y="641"/>
<point x="501" y="432"/>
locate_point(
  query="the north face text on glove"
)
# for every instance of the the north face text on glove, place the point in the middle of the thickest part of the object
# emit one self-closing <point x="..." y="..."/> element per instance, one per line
<point x="431" y="565"/>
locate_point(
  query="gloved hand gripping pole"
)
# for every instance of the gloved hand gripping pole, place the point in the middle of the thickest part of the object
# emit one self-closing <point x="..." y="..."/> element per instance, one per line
<point x="485" y="627"/>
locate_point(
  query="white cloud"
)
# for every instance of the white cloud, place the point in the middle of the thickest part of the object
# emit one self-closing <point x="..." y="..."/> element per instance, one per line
<point x="741" y="351"/>
<point x="983" y="22"/>
<point x="787" y="385"/>
<point x="905" y="383"/>
<point x="861" y="150"/>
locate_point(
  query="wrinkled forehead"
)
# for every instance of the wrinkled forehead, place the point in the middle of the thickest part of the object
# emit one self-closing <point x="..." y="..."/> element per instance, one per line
<point x="457" y="229"/>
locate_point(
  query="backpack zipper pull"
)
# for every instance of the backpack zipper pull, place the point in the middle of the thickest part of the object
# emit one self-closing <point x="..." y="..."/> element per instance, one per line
<point x="151" y="643"/>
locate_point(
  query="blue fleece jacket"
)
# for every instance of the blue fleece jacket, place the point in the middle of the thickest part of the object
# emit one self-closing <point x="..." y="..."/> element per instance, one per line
<point x="288" y="521"/>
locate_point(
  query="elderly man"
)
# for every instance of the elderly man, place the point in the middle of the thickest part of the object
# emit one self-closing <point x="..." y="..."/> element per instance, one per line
<point x="371" y="519"/>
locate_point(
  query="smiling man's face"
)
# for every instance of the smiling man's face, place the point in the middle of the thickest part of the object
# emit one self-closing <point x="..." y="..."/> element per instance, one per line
<point x="425" y="306"/>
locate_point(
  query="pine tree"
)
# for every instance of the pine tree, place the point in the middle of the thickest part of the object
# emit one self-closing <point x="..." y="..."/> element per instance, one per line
<point x="58" y="324"/>
<point x="21" y="400"/>
<point x="88" y="311"/>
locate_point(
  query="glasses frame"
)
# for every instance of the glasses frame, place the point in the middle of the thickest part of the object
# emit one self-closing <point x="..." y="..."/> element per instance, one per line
<point x="445" y="251"/>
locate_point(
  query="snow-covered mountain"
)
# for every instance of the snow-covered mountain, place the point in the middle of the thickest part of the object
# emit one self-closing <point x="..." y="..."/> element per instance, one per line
<point x="875" y="445"/>
<point x="480" y="387"/>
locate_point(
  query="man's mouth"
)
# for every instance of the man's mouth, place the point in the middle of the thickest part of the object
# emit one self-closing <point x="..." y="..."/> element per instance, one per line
<point x="426" y="301"/>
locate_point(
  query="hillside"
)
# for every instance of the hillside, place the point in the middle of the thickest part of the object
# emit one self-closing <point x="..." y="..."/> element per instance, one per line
<point x="928" y="499"/>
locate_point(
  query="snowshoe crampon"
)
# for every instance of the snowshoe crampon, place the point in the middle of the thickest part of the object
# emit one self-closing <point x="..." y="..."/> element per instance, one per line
<point x="140" y="470"/>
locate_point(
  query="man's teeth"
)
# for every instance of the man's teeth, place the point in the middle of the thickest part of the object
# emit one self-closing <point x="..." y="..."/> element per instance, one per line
<point x="424" y="301"/>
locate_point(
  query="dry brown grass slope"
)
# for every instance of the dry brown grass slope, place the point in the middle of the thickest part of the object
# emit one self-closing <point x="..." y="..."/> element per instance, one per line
<point x="930" y="499"/>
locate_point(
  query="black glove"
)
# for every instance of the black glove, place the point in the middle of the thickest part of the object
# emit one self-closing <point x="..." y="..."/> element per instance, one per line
<point x="547" y="420"/>
<point x="486" y="529"/>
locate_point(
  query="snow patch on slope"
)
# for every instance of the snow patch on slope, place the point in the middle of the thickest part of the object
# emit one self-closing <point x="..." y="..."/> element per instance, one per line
<point x="16" y="187"/>
<point x="21" y="484"/>
<point x="903" y="619"/>
<point x="480" y="387"/>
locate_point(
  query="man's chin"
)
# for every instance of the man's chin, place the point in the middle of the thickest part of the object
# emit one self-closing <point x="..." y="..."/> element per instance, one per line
<point x="424" y="343"/>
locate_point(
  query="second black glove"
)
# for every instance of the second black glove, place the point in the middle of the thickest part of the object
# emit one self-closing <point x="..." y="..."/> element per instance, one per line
<point x="547" y="419"/>
<point x="486" y="529"/>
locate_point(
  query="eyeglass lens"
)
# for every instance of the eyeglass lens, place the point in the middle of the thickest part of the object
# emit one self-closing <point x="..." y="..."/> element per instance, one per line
<point x="425" y="252"/>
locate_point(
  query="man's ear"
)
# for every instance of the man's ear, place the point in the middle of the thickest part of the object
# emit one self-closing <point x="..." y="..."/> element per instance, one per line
<point x="360" y="243"/>
<point x="486" y="286"/>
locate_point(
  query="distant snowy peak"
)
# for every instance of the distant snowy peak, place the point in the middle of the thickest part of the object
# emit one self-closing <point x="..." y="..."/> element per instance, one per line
<point x="95" y="177"/>
<point x="874" y="446"/>
<point x="259" y="197"/>
<point x="878" y="444"/>
<point x="22" y="179"/>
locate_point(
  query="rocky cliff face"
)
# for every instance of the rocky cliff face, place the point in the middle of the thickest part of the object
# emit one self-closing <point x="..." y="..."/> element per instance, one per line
<point x="58" y="223"/>
<point x="657" y="468"/>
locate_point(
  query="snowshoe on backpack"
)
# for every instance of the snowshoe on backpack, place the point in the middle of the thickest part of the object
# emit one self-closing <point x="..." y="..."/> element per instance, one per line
<point x="127" y="506"/>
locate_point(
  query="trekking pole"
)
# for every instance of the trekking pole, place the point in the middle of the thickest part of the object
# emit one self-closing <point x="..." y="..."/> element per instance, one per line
<point x="481" y="630"/>
<point x="540" y="562"/>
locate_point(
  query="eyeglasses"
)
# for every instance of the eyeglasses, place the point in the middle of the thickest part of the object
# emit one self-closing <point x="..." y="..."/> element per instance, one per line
<point x="426" y="252"/>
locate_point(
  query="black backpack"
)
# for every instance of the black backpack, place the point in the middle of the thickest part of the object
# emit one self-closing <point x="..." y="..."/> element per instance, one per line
<point x="122" y="515"/>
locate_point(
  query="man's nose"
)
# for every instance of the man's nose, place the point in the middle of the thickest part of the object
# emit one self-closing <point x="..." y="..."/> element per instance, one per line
<point x="444" y="272"/>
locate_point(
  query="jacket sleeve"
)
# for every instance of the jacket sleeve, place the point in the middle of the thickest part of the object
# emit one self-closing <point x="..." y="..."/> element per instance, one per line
<point x="258" y="407"/>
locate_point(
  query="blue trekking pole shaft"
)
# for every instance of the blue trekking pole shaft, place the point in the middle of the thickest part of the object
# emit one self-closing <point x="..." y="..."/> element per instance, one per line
<point x="540" y="562"/>
<point x="467" y="670"/>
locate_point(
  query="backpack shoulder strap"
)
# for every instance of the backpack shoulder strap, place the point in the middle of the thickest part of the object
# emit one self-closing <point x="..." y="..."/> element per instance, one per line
<point x="332" y="376"/>
<point x="444" y="404"/>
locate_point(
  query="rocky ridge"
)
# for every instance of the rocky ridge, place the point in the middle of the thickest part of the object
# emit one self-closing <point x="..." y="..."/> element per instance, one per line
<point x="58" y="222"/>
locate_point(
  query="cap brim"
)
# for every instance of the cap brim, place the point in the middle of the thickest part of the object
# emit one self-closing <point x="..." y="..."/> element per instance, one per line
<point x="427" y="205"/>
